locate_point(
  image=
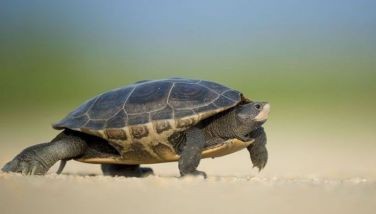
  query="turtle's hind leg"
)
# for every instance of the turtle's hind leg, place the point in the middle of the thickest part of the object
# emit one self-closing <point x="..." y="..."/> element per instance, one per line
<point x="38" y="159"/>
<point x="126" y="170"/>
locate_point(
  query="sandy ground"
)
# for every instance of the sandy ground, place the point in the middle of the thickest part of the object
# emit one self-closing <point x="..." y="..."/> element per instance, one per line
<point x="306" y="173"/>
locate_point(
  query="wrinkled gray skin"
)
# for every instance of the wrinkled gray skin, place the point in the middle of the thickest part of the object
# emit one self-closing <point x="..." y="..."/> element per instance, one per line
<point x="241" y="122"/>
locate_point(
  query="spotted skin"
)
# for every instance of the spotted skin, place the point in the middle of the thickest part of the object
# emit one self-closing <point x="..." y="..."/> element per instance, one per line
<point x="139" y="119"/>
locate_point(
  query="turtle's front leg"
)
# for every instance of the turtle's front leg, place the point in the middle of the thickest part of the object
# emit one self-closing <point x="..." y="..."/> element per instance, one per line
<point x="38" y="159"/>
<point x="257" y="150"/>
<point x="191" y="154"/>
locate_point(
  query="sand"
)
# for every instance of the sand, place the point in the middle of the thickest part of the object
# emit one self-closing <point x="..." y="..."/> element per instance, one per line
<point x="306" y="173"/>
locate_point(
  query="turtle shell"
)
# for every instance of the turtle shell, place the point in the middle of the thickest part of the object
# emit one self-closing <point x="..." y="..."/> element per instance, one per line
<point x="149" y="112"/>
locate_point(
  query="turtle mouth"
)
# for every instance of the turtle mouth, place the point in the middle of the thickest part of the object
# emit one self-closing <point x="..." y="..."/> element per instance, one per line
<point x="264" y="113"/>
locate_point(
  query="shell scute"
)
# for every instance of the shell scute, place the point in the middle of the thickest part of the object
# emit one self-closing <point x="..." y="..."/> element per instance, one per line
<point x="183" y="113"/>
<point x="233" y="95"/>
<point x="119" y="120"/>
<point x="139" y="131"/>
<point x="148" y="97"/>
<point x="72" y="122"/>
<point x="214" y="86"/>
<point x="161" y="126"/>
<point x="186" y="95"/>
<point x="95" y="124"/>
<point x="162" y="114"/>
<point x="135" y="119"/>
<point x="223" y="102"/>
<point x="109" y="104"/>
<point x="116" y="134"/>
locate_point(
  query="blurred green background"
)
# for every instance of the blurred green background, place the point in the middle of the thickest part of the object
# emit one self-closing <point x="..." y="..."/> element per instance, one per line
<point x="314" y="61"/>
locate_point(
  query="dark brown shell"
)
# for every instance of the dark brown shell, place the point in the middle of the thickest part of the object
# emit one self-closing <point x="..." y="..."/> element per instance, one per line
<point x="151" y="101"/>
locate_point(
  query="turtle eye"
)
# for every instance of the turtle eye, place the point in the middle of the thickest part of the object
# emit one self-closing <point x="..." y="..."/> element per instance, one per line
<point x="258" y="106"/>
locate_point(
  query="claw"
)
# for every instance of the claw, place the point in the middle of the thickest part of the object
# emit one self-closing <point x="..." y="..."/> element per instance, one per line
<point x="25" y="171"/>
<point x="8" y="167"/>
<point x="203" y="174"/>
<point x="196" y="174"/>
<point x="33" y="170"/>
<point x="259" y="168"/>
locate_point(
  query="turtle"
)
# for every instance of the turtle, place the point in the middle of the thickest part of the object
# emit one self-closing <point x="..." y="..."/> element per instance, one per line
<point x="153" y="121"/>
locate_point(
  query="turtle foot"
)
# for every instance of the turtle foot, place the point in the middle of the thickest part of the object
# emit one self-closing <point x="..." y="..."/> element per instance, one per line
<point x="26" y="163"/>
<point x="195" y="173"/>
<point x="259" y="156"/>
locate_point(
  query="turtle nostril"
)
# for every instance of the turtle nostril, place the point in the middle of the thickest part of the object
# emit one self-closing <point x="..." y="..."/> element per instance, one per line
<point x="258" y="106"/>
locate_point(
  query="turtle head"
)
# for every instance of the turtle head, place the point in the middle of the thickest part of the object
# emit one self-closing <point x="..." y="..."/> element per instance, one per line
<point x="251" y="116"/>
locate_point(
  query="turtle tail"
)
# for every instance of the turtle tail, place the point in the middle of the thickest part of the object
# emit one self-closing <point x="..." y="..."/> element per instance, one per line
<point x="61" y="167"/>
